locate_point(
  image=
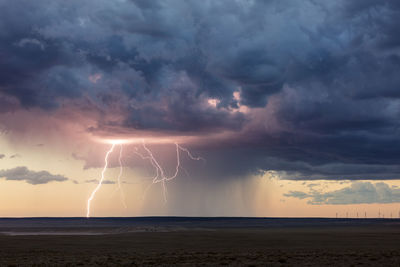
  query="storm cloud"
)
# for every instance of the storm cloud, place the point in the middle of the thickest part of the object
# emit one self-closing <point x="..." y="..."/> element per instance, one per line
<point x="307" y="89"/>
<point x="31" y="177"/>
<point x="95" y="181"/>
<point x="357" y="193"/>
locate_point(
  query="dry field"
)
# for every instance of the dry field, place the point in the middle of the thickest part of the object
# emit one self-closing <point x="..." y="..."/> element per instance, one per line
<point x="302" y="246"/>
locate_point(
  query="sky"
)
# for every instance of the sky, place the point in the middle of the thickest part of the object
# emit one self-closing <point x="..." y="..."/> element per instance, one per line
<point x="272" y="108"/>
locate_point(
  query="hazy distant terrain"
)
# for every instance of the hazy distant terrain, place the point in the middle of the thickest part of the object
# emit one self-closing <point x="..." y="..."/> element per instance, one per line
<point x="199" y="241"/>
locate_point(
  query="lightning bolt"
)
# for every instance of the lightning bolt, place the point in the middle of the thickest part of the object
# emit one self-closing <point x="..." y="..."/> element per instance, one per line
<point x="119" y="177"/>
<point x="100" y="182"/>
<point x="160" y="176"/>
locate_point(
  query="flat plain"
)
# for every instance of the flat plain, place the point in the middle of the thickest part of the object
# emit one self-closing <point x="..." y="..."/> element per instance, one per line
<point x="199" y="242"/>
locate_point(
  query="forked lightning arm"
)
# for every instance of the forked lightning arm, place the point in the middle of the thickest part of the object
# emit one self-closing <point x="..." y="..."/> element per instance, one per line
<point x="100" y="182"/>
<point x="160" y="173"/>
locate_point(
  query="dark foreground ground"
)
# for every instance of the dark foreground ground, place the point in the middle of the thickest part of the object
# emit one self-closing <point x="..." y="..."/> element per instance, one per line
<point x="199" y="241"/>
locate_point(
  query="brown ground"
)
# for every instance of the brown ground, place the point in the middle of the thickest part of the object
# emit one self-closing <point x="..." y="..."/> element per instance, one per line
<point x="339" y="246"/>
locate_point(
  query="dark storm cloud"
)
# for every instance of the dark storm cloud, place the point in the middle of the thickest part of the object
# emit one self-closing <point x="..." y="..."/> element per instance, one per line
<point x="320" y="79"/>
<point x="31" y="177"/>
<point x="356" y="193"/>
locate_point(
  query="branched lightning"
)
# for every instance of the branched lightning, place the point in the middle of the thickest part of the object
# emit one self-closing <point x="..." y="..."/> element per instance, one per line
<point x="188" y="153"/>
<point x="119" y="177"/>
<point x="160" y="176"/>
<point x="100" y="182"/>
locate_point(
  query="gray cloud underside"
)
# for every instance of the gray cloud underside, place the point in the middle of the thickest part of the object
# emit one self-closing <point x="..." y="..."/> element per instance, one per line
<point x="31" y="177"/>
<point x="95" y="181"/>
<point x="357" y="193"/>
<point x="325" y="74"/>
